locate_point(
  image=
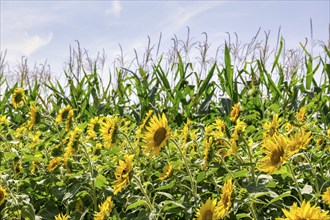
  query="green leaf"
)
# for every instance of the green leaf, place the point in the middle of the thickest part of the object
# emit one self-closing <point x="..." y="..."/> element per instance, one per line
<point x="28" y="212"/>
<point x="240" y="173"/>
<point x="283" y="195"/>
<point x="137" y="204"/>
<point x="168" y="186"/>
<point x="200" y="176"/>
<point x="100" y="181"/>
<point x="165" y="194"/>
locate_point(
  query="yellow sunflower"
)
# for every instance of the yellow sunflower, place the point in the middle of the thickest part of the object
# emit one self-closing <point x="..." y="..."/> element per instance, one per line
<point x="61" y="217"/>
<point x="4" y="120"/>
<point x="207" y="210"/>
<point x="306" y="211"/>
<point x="299" y="140"/>
<point x="223" y="206"/>
<point x="167" y="170"/>
<point x="122" y="173"/>
<point x="301" y="114"/>
<point x="54" y="163"/>
<point x="105" y="209"/>
<point x="234" y="112"/>
<point x="73" y="141"/>
<point x="79" y="207"/>
<point x="206" y="151"/>
<point x="276" y="154"/>
<point x="34" y="116"/>
<point x="18" y="97"/>
<point x="94" y="126"/>
<point x="109" y="129"/>
<point x="66" y="114"/>
<point x="271" y="127"/>
<point x="157" y="134"/>
<point x="3" y="194"/>
<point x="326" y="196"/>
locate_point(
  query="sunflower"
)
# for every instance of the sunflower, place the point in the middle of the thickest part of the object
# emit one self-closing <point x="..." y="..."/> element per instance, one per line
<point x="239" y="128"/>
<point x="223" y="206"/>
<point x="271" y="127"/>
<point x="122" y="173"/>
<point x="206" y="152"/>
<point x="158" y="132"/>
<point x="34" y="116"/>
<point x="18" y="97"/>
<point x="326" y="196"/>
<point x="3" y="194"/>
<point x="105" y="209"/>
<point x="94" y="126"/>
<point x="4" y="120"/>
<point x="61" y="217"/>
<point x="207" y="210"/>
<point x="187" y="135"/>
<point x="109" y="129"/>
<point x="167" y="170"/>
<point x="73" y="142"/>
<point x="301" y="114"/>
<point x="276" y="153"/>
<point x="66" y="114"/>
<point x="220" y="128"/>
<point x="234" y="112"/>
<point x="306" y="211"/>
<point x="299" y="140"/>
<point x="54" y="163"/>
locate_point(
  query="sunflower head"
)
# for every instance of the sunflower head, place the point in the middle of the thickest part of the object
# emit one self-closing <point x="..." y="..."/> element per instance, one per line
<point x="207" y="210"/>
<point x="63" y="114"/>
<point x="18" y="97"/>
<point x="3" y="194"/>
<point x="301" y="114"/>
<point x="122" y="173"/>
<point x="234" y="112"/>
<point x="225" y="203"/>
<point x="167" y="170"/>
<point x="34" y="116"/>
<point x="157" y="134"/>
<point x="109" y="129"/>
<point x="276" y="150"/>
<point x="326" y="196"/>
<point x="105" y="209"/>
<point x="272" y="127"/>
<point x="61" y="217"/>
<point x="54" y="163"/>
<point x="94" y="126"/>
<point x="305" y="211"/>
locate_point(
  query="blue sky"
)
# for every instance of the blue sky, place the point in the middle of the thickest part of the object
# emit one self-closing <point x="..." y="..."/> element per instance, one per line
<point x="44" y="30"/>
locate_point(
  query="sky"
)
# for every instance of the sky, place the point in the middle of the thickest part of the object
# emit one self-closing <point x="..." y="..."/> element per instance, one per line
<point x="45" y="30"/>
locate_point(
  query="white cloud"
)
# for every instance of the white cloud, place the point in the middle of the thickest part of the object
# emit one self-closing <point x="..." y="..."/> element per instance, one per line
<point x="183" y="15"/>
<point x="115" y="9"/>
<point x="26" y="45"/>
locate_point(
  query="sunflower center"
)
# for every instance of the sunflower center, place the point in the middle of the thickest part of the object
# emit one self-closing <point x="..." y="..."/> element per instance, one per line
<point x="276" y="156"/>
<point x="207" y="215"/>
<point x="159" y="136"/>
<point x="18" y="98"/>
<point x="2" y="195"/>
<point x="65" y="114"/>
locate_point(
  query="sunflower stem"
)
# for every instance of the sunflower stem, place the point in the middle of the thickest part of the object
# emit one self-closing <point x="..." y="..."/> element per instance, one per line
<point x="193" y="186"/>
<point x="91" y="170"/>
<point x="151" y="207"/>
<point x="316" y="184"/>
<point x="295" y="180"/>
<point x="128" y="141"/>
<point x="251" y="161"/>
<point x="228" y="170"/>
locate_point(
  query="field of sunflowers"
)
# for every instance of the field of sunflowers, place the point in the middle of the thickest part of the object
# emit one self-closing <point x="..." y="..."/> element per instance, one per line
<point x="218" y="140"/>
